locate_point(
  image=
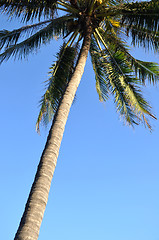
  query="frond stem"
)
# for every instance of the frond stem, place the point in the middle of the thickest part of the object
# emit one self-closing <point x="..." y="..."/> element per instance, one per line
<point x="100" y="37"/>
<point x="75" y="35"/>
<point x="97" y="41"/>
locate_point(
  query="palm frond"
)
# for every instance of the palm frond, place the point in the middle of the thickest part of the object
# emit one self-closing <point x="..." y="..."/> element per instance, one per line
<point x="68" y="7"/>
<point x="130" y="85"/>
<point x="124" y="85"/>
<point x="28" y="10"/>
<point x="142" y="8"/>
<point x="142" y="15"/>
<point x="113" y="38"/>
<point x="8" y="38"/>
<point x="146" y="70"/>
<point x="101" y="84"/>
<point x="143" y="37"/>
<point x="143" y="70"/>
<point x="121" y="99"/>
<point x="55" y="28"/>
<point x="110" y="83"/>
<point x="61" y="72"/>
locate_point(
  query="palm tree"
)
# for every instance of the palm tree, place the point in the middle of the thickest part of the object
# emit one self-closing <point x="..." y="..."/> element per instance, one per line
<point x="95" y="26"/>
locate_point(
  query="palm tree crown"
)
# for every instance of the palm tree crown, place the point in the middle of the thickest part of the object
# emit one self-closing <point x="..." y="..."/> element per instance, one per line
<point x="116" y="70"/>
<point x="99" y="27"/>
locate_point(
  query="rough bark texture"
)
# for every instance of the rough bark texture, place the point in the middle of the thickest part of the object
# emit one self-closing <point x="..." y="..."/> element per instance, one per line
<point x="34" y="210"/>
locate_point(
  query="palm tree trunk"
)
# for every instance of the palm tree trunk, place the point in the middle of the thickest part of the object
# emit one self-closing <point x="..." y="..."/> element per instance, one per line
<point x="34" y="210"/>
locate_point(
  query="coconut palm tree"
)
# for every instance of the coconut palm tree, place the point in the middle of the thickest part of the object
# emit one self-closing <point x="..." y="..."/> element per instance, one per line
<point x="98" y="27"/>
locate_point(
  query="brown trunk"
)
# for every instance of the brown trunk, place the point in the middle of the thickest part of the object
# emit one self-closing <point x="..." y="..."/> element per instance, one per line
<point x="34" y="210"/>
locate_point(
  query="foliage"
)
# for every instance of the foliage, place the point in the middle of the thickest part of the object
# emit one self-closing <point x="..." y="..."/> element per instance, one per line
<point x="60" y="74"/>
<point x="117" y="72"/>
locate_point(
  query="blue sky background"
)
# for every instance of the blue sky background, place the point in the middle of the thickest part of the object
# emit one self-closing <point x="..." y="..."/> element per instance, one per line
<point x="106" y="184"/>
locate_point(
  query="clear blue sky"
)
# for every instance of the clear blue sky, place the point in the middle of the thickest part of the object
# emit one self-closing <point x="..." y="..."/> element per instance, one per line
<point x="106" y="184"/>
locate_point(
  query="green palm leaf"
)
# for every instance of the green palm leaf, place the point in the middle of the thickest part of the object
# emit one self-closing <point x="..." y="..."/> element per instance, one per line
<point x="61" y="72"/>
<point x="101" y="84"/>
<point x="124" y="85"/>
<point x="143" y="37"/>
<point x="28" y="10"/>
<point x="142" y="15"/>
<point x="109" y="82"/>
<point x="55" y="28"/>
<point x="143" y="70"/>
<point x="131" y="90"/>
<point x="8" y="38"/>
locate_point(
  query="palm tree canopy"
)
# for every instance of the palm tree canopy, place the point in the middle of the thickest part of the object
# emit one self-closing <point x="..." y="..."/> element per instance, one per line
<point x="117" y="72"/>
